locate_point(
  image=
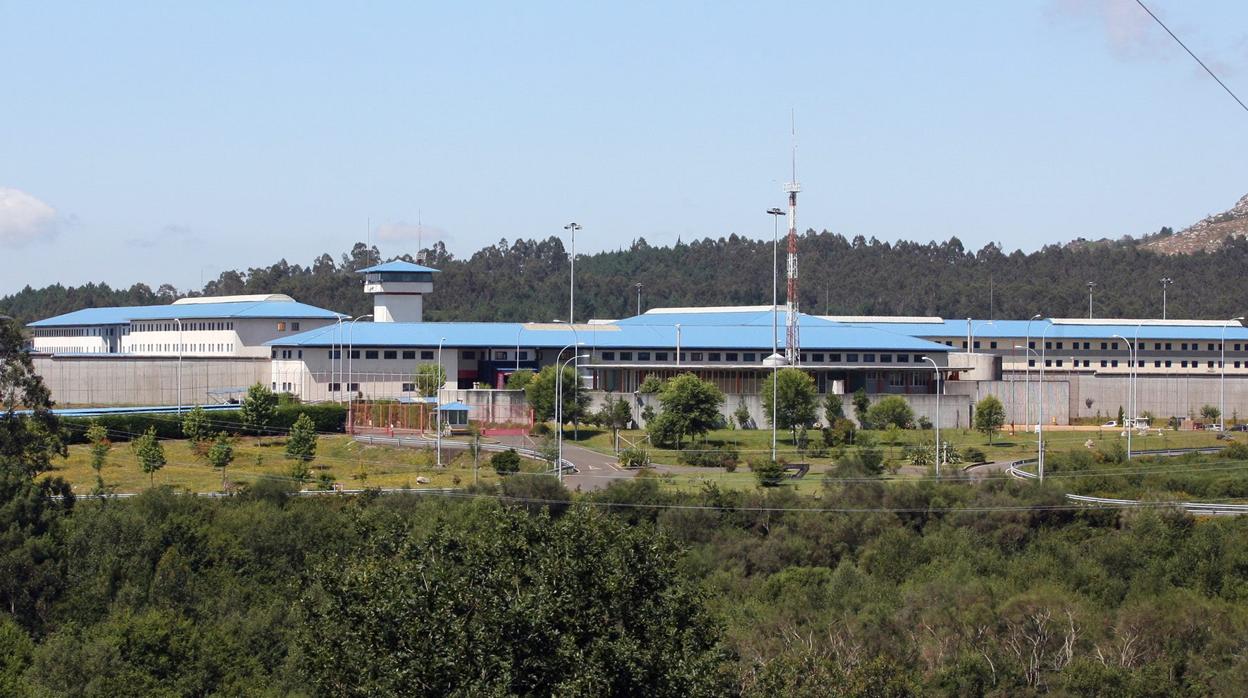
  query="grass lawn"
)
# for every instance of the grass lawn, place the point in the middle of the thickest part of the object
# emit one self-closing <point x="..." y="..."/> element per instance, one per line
<point x="351" y="464"/>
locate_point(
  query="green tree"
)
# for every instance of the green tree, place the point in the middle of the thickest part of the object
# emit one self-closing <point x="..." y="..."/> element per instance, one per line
<point x="833" y="408"/>
<point x="742" y="415"/>
<point x="540" y="393"/>
<point x="514" y="571"/>
<point x="615" y="414"/>
<point x="150" y="453"/>
<point x="768" y="472"/>
<point x="1210" y="413"/>
<point x="989" y="416"/>
<point x="891" y="409"/>
<point x="1122" y="419"/>
<point x="429" y="379"/>
<point x="518" y="379"/>
<point x="258" y="409"/>
<point x="505" y="462"/>
<point x="33" y="554"/>
<point x="796" y="399"/>
<point x="97" y="437"/>
<point x="301" y="442"/>
<point x="691" y="405"/>
<point x="195" y="426"/>
<point x="862" y="403"/>
<point x="221" y="454"/>
<point x="28" y="441"/>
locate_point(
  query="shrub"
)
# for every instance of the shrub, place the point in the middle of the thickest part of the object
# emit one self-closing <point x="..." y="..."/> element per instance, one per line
<point x="718" y="457"/>
<point x="770" y="473"/>
<point x="971" y="454"/>
<point x="925" y="423"/>
<point x="892" y="409"/>
<point x="125" y="427"/>
<point x="840" y="433"/>
<point x="506" y="462"/>
<point x="538" y="492"/>
<point x="1237" y="450"/>
<point x="634" y="458"/>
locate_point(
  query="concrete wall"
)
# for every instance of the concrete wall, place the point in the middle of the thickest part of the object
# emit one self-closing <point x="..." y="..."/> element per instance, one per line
<point x="113" y="379"/>
<point x="1020" y="398"/>
<point x="1164" y="396"/>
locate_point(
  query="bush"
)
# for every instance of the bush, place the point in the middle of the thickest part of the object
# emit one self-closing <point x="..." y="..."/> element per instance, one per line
<point x="892" y="409"/>
<point x="770" y="473"/>
<point x="634" y="458"/>
<point x="538" y="492"/>
<point x="840" y="433"/>
<point x="540" y="429"/>
<point x="925" y="423"/>
<point x="971" y="454"/>
<point x="1237" y="450"/>
<point x="506" y="462"/>
<point x="718" y="457"/>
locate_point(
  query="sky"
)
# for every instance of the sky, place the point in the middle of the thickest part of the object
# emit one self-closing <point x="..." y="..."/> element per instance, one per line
<point x="167" y="142"/>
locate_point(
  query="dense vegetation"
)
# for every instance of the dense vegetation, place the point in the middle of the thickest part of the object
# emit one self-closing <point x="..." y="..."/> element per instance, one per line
<point x="527" y="280"/>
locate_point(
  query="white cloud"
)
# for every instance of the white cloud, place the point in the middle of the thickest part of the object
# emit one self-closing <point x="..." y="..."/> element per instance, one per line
<point x="25" y="219"/>
<point x="405" y="232"/>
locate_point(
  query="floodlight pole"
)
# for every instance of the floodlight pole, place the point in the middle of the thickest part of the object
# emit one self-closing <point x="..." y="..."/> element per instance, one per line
<point x="572" y="228"/>
<point x="351" y="348"/>
<point x="1130" y="393"/>
<point x="1222" y="365"/>
<point x="1165" y="281"/>
<point x="179" y="399"/>
<point x="1027" y="374"/>
<point x="1040" y="422"/>
<point x="559" y="410"/>
<point x="437" y="402"/>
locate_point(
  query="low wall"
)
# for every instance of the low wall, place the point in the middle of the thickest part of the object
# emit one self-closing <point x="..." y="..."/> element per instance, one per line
<point x="1020" y="398"/>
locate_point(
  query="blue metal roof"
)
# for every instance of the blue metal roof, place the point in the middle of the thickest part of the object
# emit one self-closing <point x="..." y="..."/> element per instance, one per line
<point x="397" y="265"/>
<point x="1017" y="329"/>
<point x="190" y="311"/>
<point x="453" y="407"/>
<point x="656" y="331"/>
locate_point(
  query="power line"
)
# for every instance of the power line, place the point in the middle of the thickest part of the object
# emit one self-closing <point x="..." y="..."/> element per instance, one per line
<point x="1193" y="55"/>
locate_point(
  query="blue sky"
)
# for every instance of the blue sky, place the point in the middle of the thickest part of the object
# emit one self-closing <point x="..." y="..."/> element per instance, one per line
<point x="157" y="142"/>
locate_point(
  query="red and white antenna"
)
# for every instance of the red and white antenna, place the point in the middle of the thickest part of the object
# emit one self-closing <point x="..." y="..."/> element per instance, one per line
<point x="792" y="342"/>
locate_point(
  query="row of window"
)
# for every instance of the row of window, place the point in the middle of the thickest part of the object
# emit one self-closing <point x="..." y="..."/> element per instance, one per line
<point x="281" y="326"/>
<point x="1157" y="363"/>
<point x="196" y="326"/>
<point x="75" y="331"/>
<point x="1157" y="346"/>
<point x="391" y="354"/>
<point x="198" y="346"/>
<point x="751" y="357"/>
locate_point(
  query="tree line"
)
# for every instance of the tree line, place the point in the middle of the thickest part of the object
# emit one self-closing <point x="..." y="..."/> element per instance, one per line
<point x="527" y="280"/>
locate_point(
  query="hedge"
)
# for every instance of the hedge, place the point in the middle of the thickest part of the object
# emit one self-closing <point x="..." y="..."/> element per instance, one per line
<point x="123" y="427"/>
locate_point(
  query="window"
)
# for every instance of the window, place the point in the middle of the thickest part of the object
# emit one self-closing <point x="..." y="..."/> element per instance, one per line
<point x="335" y="354"/>
<point x="964" y="344"/>
<point x="1211" y="348"/>
<point x="370" y="353"/>
<point x="903" y="358"/>
<point x="468" y="355"/>
<point x="713" y="356"/>
<point x="818" y="358"/>
<point x="1048" y="345"/>
<point x="390" y="354"/>
<point x="355" y="353"/>
<point x="524" y="355"/>
<point x="335" y="387"/>
<point x="645" y="356"/>
<point x="411" y="388"/>
<point x="300" y="353"/>
<point x="1210" y="365"/>
<point x="804" y="358"/>
<point x="1184" y="364"/>
<point x="1168" y="345"/>
<point x="868" y="358"/>
<point x="1156" y="346"/>
<point x="976" y="345"/>
<point x="273" y="355"/>
<point x="294" y="327"/>
<point x="1086" y="363"/>
<point x="1031" y="345"/>
<point x="834" y="357"/>
<point x="851" y="358"/>
<point x="1059" y="346"/>
<point x="1048" y="362"/>
<point x="1086" y="345"/>
<point x="948" y="343"/>
<point x="1059" y="363"/>
<point x="610" y="356"/>
<point x="281" y="327"/>
<point x="896" y="379"/>
<point x="660" y="356"/>
<point x="991" y="345"/>
<point x="1184" y="347"/>
<point x="1168" y="364"/>
<point x="918" y="358"/>
<point x="1157" y="364"/>
<point x="426" y="355"/>
<point x="1236" y="364"/>
<point x="353" y="387"/>
<point x="886" y="358"/>
<point x="1104" y="363"/>
<point x="410" y="354"/>
<point x="695" y="356"/>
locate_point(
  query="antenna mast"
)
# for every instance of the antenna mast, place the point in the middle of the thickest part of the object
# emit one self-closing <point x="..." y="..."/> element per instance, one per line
<point x="792" y="344"/>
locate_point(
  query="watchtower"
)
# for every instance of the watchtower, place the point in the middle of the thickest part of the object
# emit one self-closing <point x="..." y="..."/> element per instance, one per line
<point x="398" y="290"/>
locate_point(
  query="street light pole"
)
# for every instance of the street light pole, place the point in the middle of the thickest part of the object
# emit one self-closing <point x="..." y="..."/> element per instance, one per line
<point x="638" y="285"/>
<point x="518" y="332"/>
<point x="1091" y="285"/>
<point x="437" y="400"/>
<point x="351" y="348"/>
<point x="1222" y="365"/>
<point x="1027" y="374"/>
<point x="1165" y="281"/>
<point x="1040" y="422"/>
<point x="775" y="358"/>
<point x="1130" y="392"/>
<point x="938" y="449"/>
<point x="559" y="410"/>
<point x="572" y="228"/>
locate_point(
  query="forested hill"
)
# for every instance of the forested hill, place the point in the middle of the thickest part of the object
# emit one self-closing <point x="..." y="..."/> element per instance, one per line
<point x="528" y="280"/>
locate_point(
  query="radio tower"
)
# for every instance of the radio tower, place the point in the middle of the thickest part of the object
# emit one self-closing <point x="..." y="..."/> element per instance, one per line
<point x="792" y="343"/>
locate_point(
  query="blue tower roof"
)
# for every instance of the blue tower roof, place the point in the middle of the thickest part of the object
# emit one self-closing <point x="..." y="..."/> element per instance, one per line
<point x="397" y="265"/>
